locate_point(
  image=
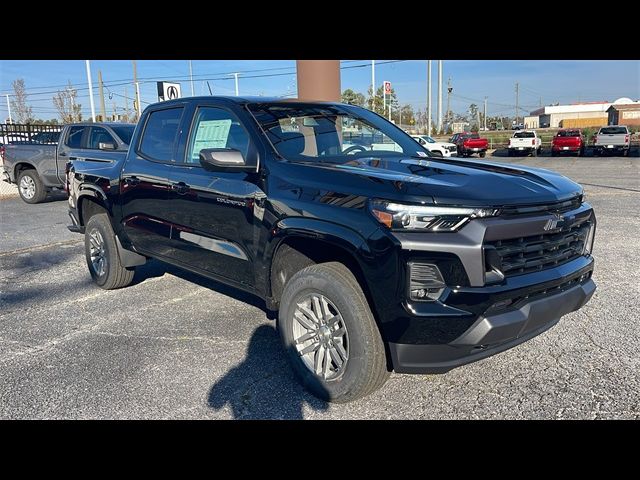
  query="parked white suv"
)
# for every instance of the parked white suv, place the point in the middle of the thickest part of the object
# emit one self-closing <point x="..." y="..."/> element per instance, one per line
<point x="443" y="149"/>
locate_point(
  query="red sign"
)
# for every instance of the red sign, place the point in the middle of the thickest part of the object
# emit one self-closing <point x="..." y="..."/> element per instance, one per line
<point x="387" y="88"/>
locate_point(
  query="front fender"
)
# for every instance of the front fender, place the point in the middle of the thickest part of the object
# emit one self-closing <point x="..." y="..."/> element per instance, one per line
<point x="334" y="234"/>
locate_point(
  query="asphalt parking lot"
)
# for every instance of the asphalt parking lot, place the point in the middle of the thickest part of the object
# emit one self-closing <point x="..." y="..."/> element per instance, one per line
<point x="176" y="346"/>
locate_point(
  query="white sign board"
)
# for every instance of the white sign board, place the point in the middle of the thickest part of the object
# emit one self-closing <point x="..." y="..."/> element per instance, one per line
<point x="168" y="91"/>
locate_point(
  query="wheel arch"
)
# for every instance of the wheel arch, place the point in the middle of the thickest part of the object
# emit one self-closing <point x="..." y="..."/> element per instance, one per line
<point x="303" y="242"/>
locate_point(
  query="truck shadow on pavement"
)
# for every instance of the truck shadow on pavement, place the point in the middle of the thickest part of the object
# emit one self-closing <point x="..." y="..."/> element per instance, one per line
<point x="263" y="385"/>
<point x="155" y="268"/>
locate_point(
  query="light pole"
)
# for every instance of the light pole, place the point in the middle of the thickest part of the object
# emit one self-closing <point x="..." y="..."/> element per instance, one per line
<point x="373" y="85"/>
<point x="9" y="108"/>
<point x="428" y="97"/>
<point x="191" y="78"/>
<point x="93" y="107"/>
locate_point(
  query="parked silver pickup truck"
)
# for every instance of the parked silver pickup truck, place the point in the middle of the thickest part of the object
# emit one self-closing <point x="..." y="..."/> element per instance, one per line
<point x="39" y="167"/>
<point x="612" y="139"/>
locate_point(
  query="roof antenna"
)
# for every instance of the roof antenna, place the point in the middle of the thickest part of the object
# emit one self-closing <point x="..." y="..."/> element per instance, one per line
<point x="210" y="92"/>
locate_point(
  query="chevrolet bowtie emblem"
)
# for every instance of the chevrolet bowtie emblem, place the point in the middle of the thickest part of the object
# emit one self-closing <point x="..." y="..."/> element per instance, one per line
<point x="552" y="223"/>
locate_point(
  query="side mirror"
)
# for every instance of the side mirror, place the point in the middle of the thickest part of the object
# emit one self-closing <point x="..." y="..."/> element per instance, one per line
<point x="222" y="160"/>
<point x="107" y="146"/>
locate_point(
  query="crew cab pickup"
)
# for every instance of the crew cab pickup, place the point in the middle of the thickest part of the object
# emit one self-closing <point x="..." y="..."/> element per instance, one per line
<point x="469" y="143"/>
<point x="568" y="141"/>
<point x="612" y="139"/>
<point x="439" y="149"/>
<point x="525" y="141"/>
<point x="37" y="165"/>
<point x="373" y="259"/>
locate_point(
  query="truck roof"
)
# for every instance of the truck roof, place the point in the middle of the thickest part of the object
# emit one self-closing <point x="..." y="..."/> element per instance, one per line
<point x="247" y="100"/>
<point x="109" y="124"/>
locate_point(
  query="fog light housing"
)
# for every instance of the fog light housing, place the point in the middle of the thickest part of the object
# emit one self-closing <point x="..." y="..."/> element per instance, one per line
<point x="425" y="282"/>
<point x="588" y="243"/>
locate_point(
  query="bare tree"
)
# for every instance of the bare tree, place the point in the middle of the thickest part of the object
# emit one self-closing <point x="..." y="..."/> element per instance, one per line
<point x="65" y="103"/>
<point x="21" y="110"/>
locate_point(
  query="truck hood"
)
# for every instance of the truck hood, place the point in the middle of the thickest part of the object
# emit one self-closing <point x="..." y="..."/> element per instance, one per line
<point x="453" y="181"/>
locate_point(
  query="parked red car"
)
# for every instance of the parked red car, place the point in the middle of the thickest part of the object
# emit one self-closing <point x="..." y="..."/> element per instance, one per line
<point x="568" y="140"/>
<point x="470" y="143"/>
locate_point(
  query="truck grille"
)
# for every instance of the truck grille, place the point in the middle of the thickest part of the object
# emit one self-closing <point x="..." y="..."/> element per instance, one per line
<point x="517" y="256"/>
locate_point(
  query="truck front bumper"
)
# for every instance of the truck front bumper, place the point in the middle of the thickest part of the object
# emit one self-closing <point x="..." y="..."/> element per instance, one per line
<point x="492" y="333"/>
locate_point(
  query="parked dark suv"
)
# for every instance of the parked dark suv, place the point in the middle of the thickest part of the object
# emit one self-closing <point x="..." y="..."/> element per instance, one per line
<point x="376" y="257"/>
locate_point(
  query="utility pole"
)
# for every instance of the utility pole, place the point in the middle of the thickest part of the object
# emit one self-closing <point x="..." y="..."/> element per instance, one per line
<point x="237" y="90"/>
<point x="191" y="79"/>
<point x="373" y="85"/>
<point x="126" y="104"/>
<point x="449" y="90"/>
<point x="485" y="114"/>
<point x="137" y="87"/>
<point x="428" y="97"/>
<point x="103" y="110"/>
<point x="93" y="107"/>
<point x="9" y="108"/>
<point x="517" y="98"/>
<point x="439" y="96"/>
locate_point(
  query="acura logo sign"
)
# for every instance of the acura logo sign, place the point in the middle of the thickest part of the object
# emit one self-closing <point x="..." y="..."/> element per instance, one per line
<point x="553" y="223"/>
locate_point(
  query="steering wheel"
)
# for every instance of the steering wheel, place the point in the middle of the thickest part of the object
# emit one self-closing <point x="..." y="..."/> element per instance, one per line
<point x="353" y="148"/>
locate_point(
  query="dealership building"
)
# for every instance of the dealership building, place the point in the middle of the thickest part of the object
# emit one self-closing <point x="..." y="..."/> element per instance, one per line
<point x="580" y="115"/>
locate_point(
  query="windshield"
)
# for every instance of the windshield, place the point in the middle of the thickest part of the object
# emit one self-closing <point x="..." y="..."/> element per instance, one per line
<point x="125" y="132"/>
<point x="569" y="133"/>
<point x="524" y="135"/>
<point x="331" y="133"/>
<point x="427" y="139"/>
<point x="613" y="130"/>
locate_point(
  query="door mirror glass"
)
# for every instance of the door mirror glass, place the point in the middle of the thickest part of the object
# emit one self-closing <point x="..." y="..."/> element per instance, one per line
<point x="222" y="159"/>
<point x="107" y="146"/>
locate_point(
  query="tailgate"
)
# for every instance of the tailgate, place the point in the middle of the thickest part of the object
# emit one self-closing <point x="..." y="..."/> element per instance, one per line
<point x="612" y="139"/>
<point x="566" y="141"/>
<point x="475" y="143"/>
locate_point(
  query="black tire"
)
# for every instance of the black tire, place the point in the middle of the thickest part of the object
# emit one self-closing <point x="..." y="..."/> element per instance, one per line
<point x="534" y="152"/>
<point x="482" y="154"/>
<point x="113" y="274"/>
<point x="553" y="153"/>
<point x="32" y="176"/>
<point x="581" y="152"/>
<point x="366" y="367"/>
<point x="510" y="152"/>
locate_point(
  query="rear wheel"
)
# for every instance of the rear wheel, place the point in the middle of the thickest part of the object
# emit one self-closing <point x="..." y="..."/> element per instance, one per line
<point x="534" y="152"/>
<point x="482" y="154"/>
<point x="102" y="256"/>
<point x="30" y="187"/>
<point x="330" y="335"/>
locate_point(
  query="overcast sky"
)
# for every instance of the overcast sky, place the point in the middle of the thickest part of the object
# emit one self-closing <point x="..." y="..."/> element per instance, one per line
<point x="472" y="80"/>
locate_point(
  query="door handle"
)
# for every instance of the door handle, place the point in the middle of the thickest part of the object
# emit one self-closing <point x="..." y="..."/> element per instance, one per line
<point x="180" y="188"/>
<point x="131" y="180"/>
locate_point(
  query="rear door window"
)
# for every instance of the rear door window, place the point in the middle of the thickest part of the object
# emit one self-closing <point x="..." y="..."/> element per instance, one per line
<point x="160" y="134"/>
<point x="74" y="138"/>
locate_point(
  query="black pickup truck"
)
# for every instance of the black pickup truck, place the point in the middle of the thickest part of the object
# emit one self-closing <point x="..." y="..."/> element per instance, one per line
<point x="376" y="255"/>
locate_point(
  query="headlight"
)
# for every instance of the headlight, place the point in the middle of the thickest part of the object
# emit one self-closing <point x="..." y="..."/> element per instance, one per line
<point x="426" y="217"/>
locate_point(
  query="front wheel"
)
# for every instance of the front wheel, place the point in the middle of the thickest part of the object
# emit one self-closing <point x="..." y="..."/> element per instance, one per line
<point x="482" y="154"/>
<point x="330" y="335"/>
<point x="102" y="256"/>
<point x="30" y="187"/>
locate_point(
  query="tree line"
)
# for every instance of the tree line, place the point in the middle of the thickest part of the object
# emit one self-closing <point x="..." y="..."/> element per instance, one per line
<point x="65" y="102"/>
